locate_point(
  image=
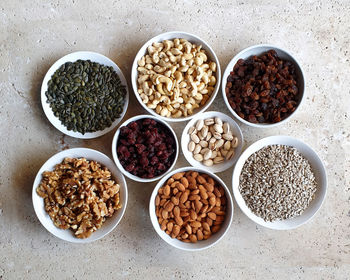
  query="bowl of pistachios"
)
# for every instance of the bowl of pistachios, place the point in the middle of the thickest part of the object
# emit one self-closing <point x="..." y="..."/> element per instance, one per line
<point x="212" y="140"/>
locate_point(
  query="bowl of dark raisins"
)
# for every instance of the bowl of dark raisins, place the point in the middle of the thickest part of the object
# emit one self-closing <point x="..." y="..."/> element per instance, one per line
<point x="145" y="148"/>
<point x="263" y="86"/>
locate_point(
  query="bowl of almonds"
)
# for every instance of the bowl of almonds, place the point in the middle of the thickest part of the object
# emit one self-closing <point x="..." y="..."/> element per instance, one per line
<point x="212" y="140"/>
<point x="191" y="209"/>
<point x="175" y="75"/>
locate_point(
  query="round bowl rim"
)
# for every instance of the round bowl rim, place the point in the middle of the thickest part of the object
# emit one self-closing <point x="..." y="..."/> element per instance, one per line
<point x="83" y="55"/>
<point x="154" y="219"/>
<point x="221" y="167"/>
<point x="278" y="140"/>
<point x="81" y="151"/>
<point x="229" y="68"/>
<point x="116" y="159"/>
<point x="134" y="75"/>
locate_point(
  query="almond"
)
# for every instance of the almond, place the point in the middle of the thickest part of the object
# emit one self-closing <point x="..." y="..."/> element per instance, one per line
<point x="184" y="197"/>
<point x="166" y="190"/>
<point x="193" y="238"/>
<point x="178" y="176"/>
<point x="176" y="230"/>
<point x="175" y="200"/>
<point x="176" y="211"/>
<point x="199" y="235"/>
<point x="184" y="182"/>
<point x="206" y="226"/>
<point x="195" y="224"/>
<point x="169" y="207"/>
<point x="157" y="200"/>
<point x="212" y="216"/>
<point x="179" y="221"/>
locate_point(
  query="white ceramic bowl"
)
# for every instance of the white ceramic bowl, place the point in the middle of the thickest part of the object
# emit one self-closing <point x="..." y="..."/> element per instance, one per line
<point x="72" y="57"/>
<point x="236" y="131"/>
<point x="200" y="245"/>
<point x="170" y="36"/>
<point x="115" y="144"/>
<point x="89" y="154"/>
<point x="257" y="50"/>
<point x="317" y="167"/>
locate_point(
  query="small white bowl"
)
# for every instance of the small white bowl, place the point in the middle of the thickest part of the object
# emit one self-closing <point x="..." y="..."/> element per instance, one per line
<point x="317" y="167"/>
<point x="170" y="36"/>
<point x="257" y="50"/>
<point x="200" y="245"/>
<point x="72" y="57"/>
<point x="115" y="144"/>
<point x="89" y="154"/>
<point x="236" y="131"/>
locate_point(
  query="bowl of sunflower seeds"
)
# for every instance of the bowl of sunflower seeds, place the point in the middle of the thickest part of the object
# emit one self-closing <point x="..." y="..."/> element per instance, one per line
<point x="279" y="182"/>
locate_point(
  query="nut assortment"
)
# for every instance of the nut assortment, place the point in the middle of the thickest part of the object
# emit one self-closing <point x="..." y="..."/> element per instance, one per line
<point x="263" y="89"/>
<point x="175" y="77"/>
<point x="191" y="206"/>
<point x="211" y="141"/>
<point x="277" y="183"/>
<point x="79" y="195"/>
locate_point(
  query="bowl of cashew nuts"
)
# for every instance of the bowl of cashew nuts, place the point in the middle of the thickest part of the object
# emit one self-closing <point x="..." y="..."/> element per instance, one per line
<point x="175" y="76"/>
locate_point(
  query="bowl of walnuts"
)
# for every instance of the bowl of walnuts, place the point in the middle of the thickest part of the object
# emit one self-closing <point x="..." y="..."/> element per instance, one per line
<point x="79" y="195"/>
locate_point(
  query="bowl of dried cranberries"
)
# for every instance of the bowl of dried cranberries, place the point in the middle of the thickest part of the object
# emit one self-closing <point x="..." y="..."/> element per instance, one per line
<point x="263" y="86"/>
<point x="145" y="148"/>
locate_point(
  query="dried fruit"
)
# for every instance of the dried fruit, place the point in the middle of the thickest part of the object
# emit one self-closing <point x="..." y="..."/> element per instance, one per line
<point x="263" y="89"/>
<point x="146" y="148"/>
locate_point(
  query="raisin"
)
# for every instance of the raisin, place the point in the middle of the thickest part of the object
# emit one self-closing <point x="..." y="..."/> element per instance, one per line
<point x="266" y="79"/>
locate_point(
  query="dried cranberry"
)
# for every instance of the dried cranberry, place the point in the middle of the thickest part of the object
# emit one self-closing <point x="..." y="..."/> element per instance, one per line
<point x="146" y="148"/>
<point x="130" y="167"/>
<point x="140" y="148"/>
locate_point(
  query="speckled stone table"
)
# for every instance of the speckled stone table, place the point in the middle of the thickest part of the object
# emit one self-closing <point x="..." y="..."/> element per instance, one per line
<point x="34" y="34"/>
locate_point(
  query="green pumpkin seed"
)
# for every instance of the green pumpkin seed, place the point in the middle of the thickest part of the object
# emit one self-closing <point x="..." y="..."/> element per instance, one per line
<point x="86" y="96"/>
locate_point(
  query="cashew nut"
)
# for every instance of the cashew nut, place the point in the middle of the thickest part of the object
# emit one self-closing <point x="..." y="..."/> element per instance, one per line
<point x="212" y="81"/>
<point x="167" y="81"/>
<point x="167" y="45"/>
<point x="141" y="62"/>
<point x="142" y="70"/>
<point x="142" y="79"/>
<point x="212" y="66"/>
<point x="144" y="98"/>
<point x="159" y="69"/>
<point x="151" y="50"/>
<point x="202" y="55"/>
<point x="155" y="57"/>
<point x="198" y="61"/>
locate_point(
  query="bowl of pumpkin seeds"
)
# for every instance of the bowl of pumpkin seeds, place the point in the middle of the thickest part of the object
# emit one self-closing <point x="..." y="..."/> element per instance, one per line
<point x="279" y="182"/>
<point x="84" y="95"/>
